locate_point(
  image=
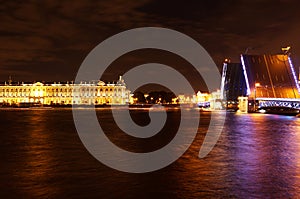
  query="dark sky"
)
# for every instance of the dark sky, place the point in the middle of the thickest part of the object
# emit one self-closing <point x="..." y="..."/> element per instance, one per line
<point x="48" y="40"/>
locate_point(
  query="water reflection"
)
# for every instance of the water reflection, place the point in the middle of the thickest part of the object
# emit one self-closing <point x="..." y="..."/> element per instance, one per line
<point x="257" y="156"/>
<point x="37" y="158"/>
<point x="263" y="155"/>
<point x="203" y="178"/>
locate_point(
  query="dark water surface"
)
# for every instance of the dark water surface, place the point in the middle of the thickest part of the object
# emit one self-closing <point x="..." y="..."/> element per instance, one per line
<point x="257" y="156"/>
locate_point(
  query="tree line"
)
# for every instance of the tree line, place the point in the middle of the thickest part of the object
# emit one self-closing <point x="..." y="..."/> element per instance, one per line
<point x="154" y="97"/>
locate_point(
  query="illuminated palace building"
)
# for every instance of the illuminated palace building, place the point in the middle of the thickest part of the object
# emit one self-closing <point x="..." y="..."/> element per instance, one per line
<point x="84" y="93"/>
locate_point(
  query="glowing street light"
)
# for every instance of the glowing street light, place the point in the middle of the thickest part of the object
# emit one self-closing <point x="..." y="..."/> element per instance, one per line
<point x="257" y="84"/>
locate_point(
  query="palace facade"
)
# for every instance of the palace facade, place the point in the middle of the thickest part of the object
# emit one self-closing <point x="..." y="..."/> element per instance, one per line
<point x="83" y="93"/>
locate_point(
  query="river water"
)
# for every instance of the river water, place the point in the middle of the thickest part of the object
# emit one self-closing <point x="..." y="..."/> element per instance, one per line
<point x="257" y="156"/>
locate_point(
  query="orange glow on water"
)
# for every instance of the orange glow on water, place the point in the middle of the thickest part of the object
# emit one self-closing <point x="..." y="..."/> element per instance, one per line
<point x="38" y="158"/>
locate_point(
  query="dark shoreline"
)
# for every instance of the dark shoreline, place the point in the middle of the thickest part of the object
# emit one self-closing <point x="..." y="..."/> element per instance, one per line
<point x="87" y="106"/>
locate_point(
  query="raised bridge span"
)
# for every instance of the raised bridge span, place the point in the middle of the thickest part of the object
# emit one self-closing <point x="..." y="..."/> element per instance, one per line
<point x="271" y="80"/>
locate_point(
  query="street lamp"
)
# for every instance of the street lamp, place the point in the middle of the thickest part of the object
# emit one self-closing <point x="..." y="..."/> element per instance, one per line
<point x="255" y="87"/>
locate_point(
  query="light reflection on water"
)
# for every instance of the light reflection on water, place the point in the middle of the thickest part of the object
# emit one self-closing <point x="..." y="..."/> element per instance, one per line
<point x="257" y="156"/>
<point x="264" y="152"/>
<point x="38" y="156"/>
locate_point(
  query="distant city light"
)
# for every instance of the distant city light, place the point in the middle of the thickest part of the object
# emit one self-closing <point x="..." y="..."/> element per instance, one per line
<point x="286" y="49"/>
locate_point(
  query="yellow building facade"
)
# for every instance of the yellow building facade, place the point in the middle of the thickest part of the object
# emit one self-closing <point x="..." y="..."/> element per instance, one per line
<point x="84" y="93"/>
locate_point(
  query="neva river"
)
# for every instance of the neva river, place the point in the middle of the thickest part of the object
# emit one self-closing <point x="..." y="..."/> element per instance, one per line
<point x="257" y="156"/>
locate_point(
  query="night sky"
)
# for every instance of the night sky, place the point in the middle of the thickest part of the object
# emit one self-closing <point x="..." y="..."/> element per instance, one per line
<point x="48" y="40"/>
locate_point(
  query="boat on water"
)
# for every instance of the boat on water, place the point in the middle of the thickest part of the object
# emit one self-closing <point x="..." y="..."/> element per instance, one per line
<point x="279" y="110"/>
